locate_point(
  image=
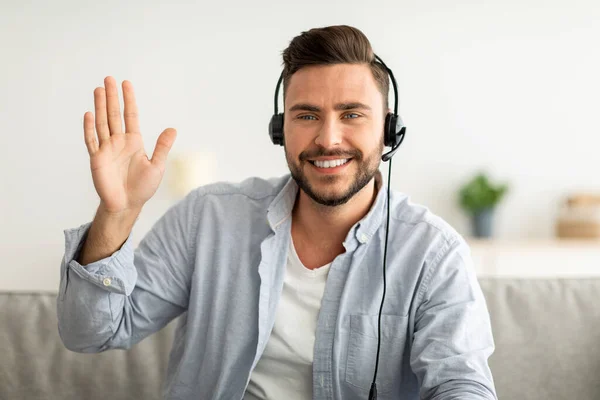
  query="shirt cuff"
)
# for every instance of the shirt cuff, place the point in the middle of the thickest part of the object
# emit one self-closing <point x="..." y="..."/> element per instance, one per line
<point x="115" y="273"/>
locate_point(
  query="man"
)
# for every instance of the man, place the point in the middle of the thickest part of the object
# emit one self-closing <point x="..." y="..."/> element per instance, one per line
<point x="277" y="283"/>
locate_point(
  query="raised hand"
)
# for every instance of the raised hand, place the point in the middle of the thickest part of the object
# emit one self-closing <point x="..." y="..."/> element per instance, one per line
<point x="123" y="175"/>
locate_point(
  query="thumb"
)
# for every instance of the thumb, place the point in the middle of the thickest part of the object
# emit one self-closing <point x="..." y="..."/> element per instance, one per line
<point x="163" y="145"/>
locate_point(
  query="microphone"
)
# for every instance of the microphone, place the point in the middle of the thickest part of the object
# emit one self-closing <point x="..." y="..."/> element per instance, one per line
<point x="387" y="156"/>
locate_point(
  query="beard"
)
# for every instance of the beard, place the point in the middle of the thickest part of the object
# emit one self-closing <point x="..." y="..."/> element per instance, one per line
<point x="367" y="167"/>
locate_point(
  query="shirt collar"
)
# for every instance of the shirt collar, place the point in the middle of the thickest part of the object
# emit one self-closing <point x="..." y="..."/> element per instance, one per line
<point x="281" y="208"/>
<point x="282" y="205"/>
<point x="370" y="223"/>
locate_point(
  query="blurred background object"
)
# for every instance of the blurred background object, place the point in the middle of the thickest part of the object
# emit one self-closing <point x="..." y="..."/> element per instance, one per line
<point x="479" y="198"/>
<point x="189" y="170"/>
<point x="579" y="217"/>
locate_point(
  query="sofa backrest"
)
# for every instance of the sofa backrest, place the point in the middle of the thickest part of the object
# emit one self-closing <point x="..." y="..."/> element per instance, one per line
<point x="547" y="335"/>
<point x="34" y="364"/>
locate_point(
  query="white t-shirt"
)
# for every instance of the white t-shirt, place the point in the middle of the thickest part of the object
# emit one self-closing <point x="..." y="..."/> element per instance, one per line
<point x="285" y="369"/>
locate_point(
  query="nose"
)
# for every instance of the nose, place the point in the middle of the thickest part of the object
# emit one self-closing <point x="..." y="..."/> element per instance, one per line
<point x="330" y="135"/>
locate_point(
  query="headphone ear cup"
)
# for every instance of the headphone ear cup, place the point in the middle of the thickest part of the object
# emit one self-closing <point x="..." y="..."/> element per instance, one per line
<point x="276" y="129"/>
<point x="389" y="132"/>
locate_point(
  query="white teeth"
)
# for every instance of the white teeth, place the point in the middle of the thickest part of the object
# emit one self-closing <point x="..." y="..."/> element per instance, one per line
<point x="330" y="163"/>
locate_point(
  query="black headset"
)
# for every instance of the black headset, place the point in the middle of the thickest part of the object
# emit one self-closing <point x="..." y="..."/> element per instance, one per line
<point x="393" y="131"/>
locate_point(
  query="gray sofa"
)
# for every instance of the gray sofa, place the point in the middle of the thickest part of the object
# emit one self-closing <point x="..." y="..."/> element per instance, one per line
<point x="547" y="334"/>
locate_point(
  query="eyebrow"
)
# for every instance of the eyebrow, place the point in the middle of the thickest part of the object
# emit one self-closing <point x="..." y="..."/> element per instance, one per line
<point x="338" y="107"/>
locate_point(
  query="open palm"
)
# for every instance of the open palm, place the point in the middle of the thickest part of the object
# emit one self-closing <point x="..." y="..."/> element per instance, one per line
<point x="124" y="177"/>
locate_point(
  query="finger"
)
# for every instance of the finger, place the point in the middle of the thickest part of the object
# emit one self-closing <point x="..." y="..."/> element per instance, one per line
<point x="88" y="133"/>
<point x="163" y="145"/>
<point x="113" y="108"/>
<point x="101" y="121"/>
<point x="130" y="112"/>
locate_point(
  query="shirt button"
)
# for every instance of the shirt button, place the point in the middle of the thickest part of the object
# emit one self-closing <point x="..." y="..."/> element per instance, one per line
<point x="106" y="281"/>
<point x="363" y="238"/>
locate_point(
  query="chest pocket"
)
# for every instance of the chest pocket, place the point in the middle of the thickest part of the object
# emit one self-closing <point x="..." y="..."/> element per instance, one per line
<point x="362" y="351"/>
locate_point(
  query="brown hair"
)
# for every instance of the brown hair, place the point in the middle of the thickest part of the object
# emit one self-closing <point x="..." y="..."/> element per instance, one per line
<point x="333" y="45"/>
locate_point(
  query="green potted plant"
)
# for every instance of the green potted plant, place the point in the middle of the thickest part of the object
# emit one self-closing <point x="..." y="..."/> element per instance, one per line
<point x="479" y="198"/>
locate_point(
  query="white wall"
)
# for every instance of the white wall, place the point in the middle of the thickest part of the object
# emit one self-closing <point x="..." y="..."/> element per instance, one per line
<point x="509" y="86"/>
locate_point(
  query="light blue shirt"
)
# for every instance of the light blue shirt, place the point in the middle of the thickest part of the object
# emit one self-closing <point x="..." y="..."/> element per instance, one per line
<point x="216" y="260"/>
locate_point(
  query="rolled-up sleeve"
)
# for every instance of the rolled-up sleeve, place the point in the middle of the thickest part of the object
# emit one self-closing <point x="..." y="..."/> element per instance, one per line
<point x="117" y="301"/>
<point x="453" y="336"/>
<point x="115" y="273"/>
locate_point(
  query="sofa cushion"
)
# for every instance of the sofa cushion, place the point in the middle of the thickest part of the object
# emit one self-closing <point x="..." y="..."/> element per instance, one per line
<point x="34" y="364"/>
<point x="547" y="335"/>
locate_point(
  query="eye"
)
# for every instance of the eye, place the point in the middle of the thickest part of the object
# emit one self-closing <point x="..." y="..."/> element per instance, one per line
<point x="304" y="117"/>
<point x="352" y="114"/>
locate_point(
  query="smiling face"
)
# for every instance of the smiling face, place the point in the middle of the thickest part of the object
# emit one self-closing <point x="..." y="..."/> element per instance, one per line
<point x="333" y="129"/>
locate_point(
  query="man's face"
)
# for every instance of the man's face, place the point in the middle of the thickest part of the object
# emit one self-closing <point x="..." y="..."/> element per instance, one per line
<point x="333" y="129"/>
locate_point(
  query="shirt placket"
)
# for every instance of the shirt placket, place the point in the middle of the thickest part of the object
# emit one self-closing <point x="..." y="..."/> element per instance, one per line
<point x="325" y="334"/>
